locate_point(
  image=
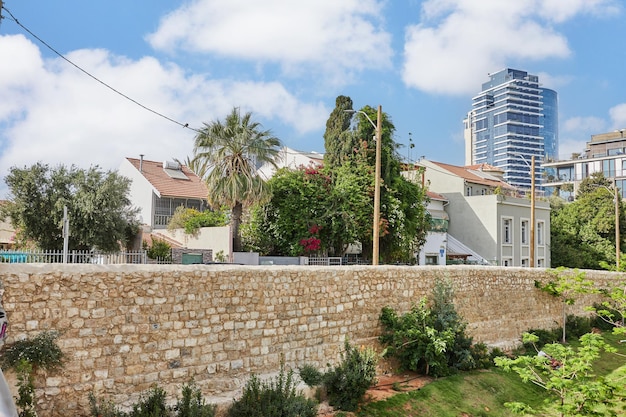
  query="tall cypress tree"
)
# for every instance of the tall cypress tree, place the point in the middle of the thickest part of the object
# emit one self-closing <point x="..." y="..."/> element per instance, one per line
<point x="338" y="138"/>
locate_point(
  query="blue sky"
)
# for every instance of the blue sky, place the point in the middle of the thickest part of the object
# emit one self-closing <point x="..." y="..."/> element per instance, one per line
<point x="286" y="61"/>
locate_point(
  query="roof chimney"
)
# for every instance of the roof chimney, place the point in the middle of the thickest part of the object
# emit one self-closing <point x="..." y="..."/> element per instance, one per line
<point x="141" y="162"/>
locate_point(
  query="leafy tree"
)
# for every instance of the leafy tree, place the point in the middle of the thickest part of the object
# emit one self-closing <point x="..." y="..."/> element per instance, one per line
<point x="567" y="373"/>
<point x="583" y="232"/>
<point x="430" y="340"/>
<point x="231" y="150"/>
<point x="192" y="220"/>
<point x="97" y="202"/>
<point x="613" y="309"/>
<point x="565" y="286"/>
<point x="339" y="140"/>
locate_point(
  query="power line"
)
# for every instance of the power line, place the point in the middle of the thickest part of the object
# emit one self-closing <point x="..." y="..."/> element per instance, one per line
<point x="13" y="18"/>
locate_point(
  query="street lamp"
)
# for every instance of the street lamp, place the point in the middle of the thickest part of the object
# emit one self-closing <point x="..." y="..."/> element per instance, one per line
<point x="617" y="234"/>
<point x="376" y="223"/>
<point x="532" y="206"/>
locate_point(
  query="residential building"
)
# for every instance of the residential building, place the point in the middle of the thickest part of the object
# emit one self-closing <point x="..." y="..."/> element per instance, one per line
<point x="7" y="232"/>
<point x="434" y="252"/>
<point x="291" y="158"/>
<point x="488" y="215"/>
<point x="513" y="119"/>
<point x="158" y="188"/>
<point x="605" y="153"/>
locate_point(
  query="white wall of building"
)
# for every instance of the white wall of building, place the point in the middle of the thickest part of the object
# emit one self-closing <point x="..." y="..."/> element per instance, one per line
<point x="140" y="189"/>
<point x="215" y="238"/>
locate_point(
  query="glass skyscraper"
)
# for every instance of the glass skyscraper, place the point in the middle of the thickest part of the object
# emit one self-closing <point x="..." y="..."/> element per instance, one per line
<point x="513" y="119"/>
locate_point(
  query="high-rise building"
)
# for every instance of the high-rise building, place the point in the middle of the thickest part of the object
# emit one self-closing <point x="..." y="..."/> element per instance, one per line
<point x="513" y="119"/>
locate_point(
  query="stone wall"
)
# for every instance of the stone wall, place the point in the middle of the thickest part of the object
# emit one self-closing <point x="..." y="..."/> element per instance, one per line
<point x="127" y="327"/>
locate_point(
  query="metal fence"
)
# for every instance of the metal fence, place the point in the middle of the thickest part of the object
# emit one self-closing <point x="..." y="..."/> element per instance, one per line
<point x="325" y="261"/>
<point x="73" y="257"/>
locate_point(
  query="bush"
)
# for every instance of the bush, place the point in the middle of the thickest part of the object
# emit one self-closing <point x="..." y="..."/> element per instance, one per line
<point x="576" y="326"/>
<point x="346" y="384"/>
<point x="160" y="249"/>
<point x="276" y="398"/>
<point x="310" y="375"/>
<point x="545" y="337"/>
<point x="152" y="404"/>
<point x="40" y="351"/>
<point x="192" y="404"/>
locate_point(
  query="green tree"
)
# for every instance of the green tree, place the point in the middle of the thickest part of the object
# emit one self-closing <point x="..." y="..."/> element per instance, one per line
<point x="98" y="205"/>
<point x="565" y="286"/>
<point x="583" y="232"/>
<point x="339" y="140"/>
<point x="566" y="372"/>
<point x="231" y="150"/>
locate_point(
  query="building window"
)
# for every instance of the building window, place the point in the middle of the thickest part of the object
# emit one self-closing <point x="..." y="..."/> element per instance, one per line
<point x="608" y="168"/>
<point x="507" y="262"/>
<point x="468" y="191"/>
<point x="540" y="233"/>
<point x="541" y="263"/>
<point x="524" y="232"/>
<point x="525" y="262"/>
<point x="507" y="237"/>
<point x="431" y="260"/>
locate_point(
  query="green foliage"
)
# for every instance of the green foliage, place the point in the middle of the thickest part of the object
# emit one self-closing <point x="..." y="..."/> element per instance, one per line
<point x="429" y="340"/>
<point x="567" y="373"/>
<point x="98" y="205"/>
<point x="159" y="249"/>
<point x="26" y="389"/>
<point x="103" y="408"/>
<point x="229" y="152"/>
<point x="612" y="310"/>
<point x="339" y="141"/>
<point x="347" y="382"/>
<point x="566" y="285"/>
<point x="310" y="375"/>
<point x="583" y="232"/>
<point x="275" y="397"/>
<point x="192" y="404"/>
<point x="151" y="404"/>
<point x="191" y="220"/>
<point x="40" y="351"/>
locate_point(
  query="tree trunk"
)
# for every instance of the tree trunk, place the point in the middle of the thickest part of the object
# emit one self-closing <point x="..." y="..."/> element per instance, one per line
<point x="235" y="221"/>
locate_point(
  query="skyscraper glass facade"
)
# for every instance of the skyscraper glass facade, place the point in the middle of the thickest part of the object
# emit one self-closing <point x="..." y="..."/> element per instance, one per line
<point x="513" y="119"/>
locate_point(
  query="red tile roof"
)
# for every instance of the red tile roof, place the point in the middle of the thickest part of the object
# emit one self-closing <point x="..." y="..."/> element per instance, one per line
<point x="470" y="173"/>
<point x="434" y="196"/>
<point x="193" y="187"/>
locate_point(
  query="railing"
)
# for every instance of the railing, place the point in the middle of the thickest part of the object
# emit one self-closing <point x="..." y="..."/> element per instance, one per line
<point x="325" y="261"/>
<point x="73" y="257"/>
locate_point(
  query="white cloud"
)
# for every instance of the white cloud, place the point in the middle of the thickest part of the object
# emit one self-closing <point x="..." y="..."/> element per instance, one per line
<point x="338" y="36"/>
<point x="60" y="115"/>
<point x="459" y="42"/>
<point x="575" y="132"/>
<point x="618" y="116"/>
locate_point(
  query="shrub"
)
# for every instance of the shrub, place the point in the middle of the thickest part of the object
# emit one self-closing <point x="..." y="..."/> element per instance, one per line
<point x="192" y="404"/>
<point x="103" y="408"/>
<point x="40" y="351"/>
<point x="576" y="326"/>
<point x="151" y="404"/>
<point x="275" y="397"/>
<point x="160" y="249"/>
<point x="430" y="340"/>
<point x="310" y="375"/>
<point x="346" y="384"/>
<point x="544" y="337"/>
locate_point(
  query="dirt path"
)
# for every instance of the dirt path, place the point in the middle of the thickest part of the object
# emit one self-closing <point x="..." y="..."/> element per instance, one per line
<point x="387" y="386"/>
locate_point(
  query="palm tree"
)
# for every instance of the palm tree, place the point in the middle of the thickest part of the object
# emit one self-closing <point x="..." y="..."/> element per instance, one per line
<point x="232" y="151"/>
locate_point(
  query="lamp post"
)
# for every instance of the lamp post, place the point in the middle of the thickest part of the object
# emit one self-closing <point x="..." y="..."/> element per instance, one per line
<point x="376" y="222"/>
<point x="532" y="206"/>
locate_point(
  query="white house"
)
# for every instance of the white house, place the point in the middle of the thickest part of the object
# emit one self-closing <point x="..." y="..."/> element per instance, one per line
<point x="488" y="215"/>
<point x="290" y="158"/>
<point x="158" y="188"/>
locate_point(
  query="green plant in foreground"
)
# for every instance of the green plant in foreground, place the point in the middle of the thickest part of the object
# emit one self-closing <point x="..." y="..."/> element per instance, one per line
<point x="26" y="389"/>
<point x="346" y="383"/>
<point x="40" y="351"/>
<point x="567" y="373"/>
<point x="275" y="397"/>
<point x="192" y="404"/>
